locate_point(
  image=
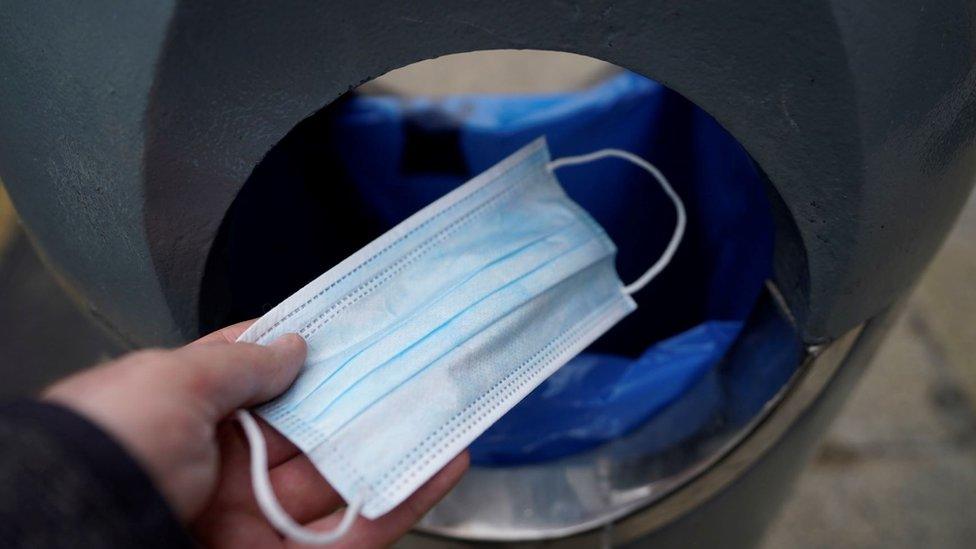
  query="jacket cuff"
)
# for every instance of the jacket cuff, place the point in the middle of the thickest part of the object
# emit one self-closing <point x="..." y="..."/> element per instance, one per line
<point x="67" y="483"/>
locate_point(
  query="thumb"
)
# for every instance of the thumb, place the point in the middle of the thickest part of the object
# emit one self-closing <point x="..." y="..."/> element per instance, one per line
<point x="229" y="376"/>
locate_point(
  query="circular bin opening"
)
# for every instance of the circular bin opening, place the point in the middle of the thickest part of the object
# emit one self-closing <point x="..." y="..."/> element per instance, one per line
<point x="655" y="398"/>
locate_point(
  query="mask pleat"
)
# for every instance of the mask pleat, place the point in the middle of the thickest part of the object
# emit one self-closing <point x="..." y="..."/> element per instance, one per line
<point x="519" y="218"/>
<point x="479" y="283"/>
<point x="421" y="343"/>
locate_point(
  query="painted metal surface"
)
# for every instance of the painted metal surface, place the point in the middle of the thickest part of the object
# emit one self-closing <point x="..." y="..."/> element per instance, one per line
<point x="126" y="129"/>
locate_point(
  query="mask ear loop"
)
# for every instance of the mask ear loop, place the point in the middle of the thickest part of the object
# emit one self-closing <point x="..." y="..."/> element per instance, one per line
<point x="268" y="502"/>
<point x="679" y="228"/>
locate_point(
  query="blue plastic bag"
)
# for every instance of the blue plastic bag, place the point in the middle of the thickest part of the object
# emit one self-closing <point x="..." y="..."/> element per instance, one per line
<point x="401" y="154"/>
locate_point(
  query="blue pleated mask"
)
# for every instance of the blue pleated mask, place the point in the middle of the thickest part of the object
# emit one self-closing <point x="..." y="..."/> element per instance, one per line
<point x="418" y="342"/>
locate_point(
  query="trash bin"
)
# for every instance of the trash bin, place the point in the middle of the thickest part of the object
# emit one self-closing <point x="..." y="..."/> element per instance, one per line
<point x="131" y="138"/>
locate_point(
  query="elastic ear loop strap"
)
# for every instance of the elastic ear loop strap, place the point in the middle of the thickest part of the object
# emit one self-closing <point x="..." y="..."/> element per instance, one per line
<point x="679" y="228"/>
<point x="268" y="502"/>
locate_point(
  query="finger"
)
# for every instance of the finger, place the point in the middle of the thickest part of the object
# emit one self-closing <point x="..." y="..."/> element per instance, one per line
<point x="234" y="490"/>
<point x="280" y="449"/>
<point x="227" y="334"/>
<point x="234" y="447"/>
<point x="393" y="525"/>
<point x="302" y="491"/>
<point x="235" y="529"/>
<point x="297" y="484"/>
<point x="238" y="375"/>
<point x="234" y="482"/>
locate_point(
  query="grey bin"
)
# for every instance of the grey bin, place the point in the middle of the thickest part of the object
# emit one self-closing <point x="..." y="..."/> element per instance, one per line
<point x="127" y="130"/>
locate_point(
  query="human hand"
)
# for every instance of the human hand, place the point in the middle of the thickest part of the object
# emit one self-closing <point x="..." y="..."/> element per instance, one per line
<point x="169" y="410"/>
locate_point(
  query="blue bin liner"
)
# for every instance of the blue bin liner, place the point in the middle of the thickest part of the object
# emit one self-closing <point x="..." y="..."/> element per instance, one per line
<point x="598" y="397"/>
<point x="400" y="154"/>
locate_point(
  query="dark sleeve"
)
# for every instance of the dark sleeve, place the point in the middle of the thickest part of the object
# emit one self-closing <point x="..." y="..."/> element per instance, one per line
<point x="65" y="483"/>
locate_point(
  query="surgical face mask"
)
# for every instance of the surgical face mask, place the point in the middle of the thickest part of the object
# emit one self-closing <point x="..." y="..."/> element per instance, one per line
<point x="418" y="342"/>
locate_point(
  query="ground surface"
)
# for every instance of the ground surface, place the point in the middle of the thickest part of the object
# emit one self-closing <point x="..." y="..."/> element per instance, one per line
<point x="898" y="468"/>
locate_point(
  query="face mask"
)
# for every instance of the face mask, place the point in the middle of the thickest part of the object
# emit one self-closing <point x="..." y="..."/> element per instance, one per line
<point x="418" y="342"/>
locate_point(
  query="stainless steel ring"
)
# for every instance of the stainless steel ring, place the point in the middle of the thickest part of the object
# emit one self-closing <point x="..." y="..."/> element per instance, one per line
<point x="621" y="509"/>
